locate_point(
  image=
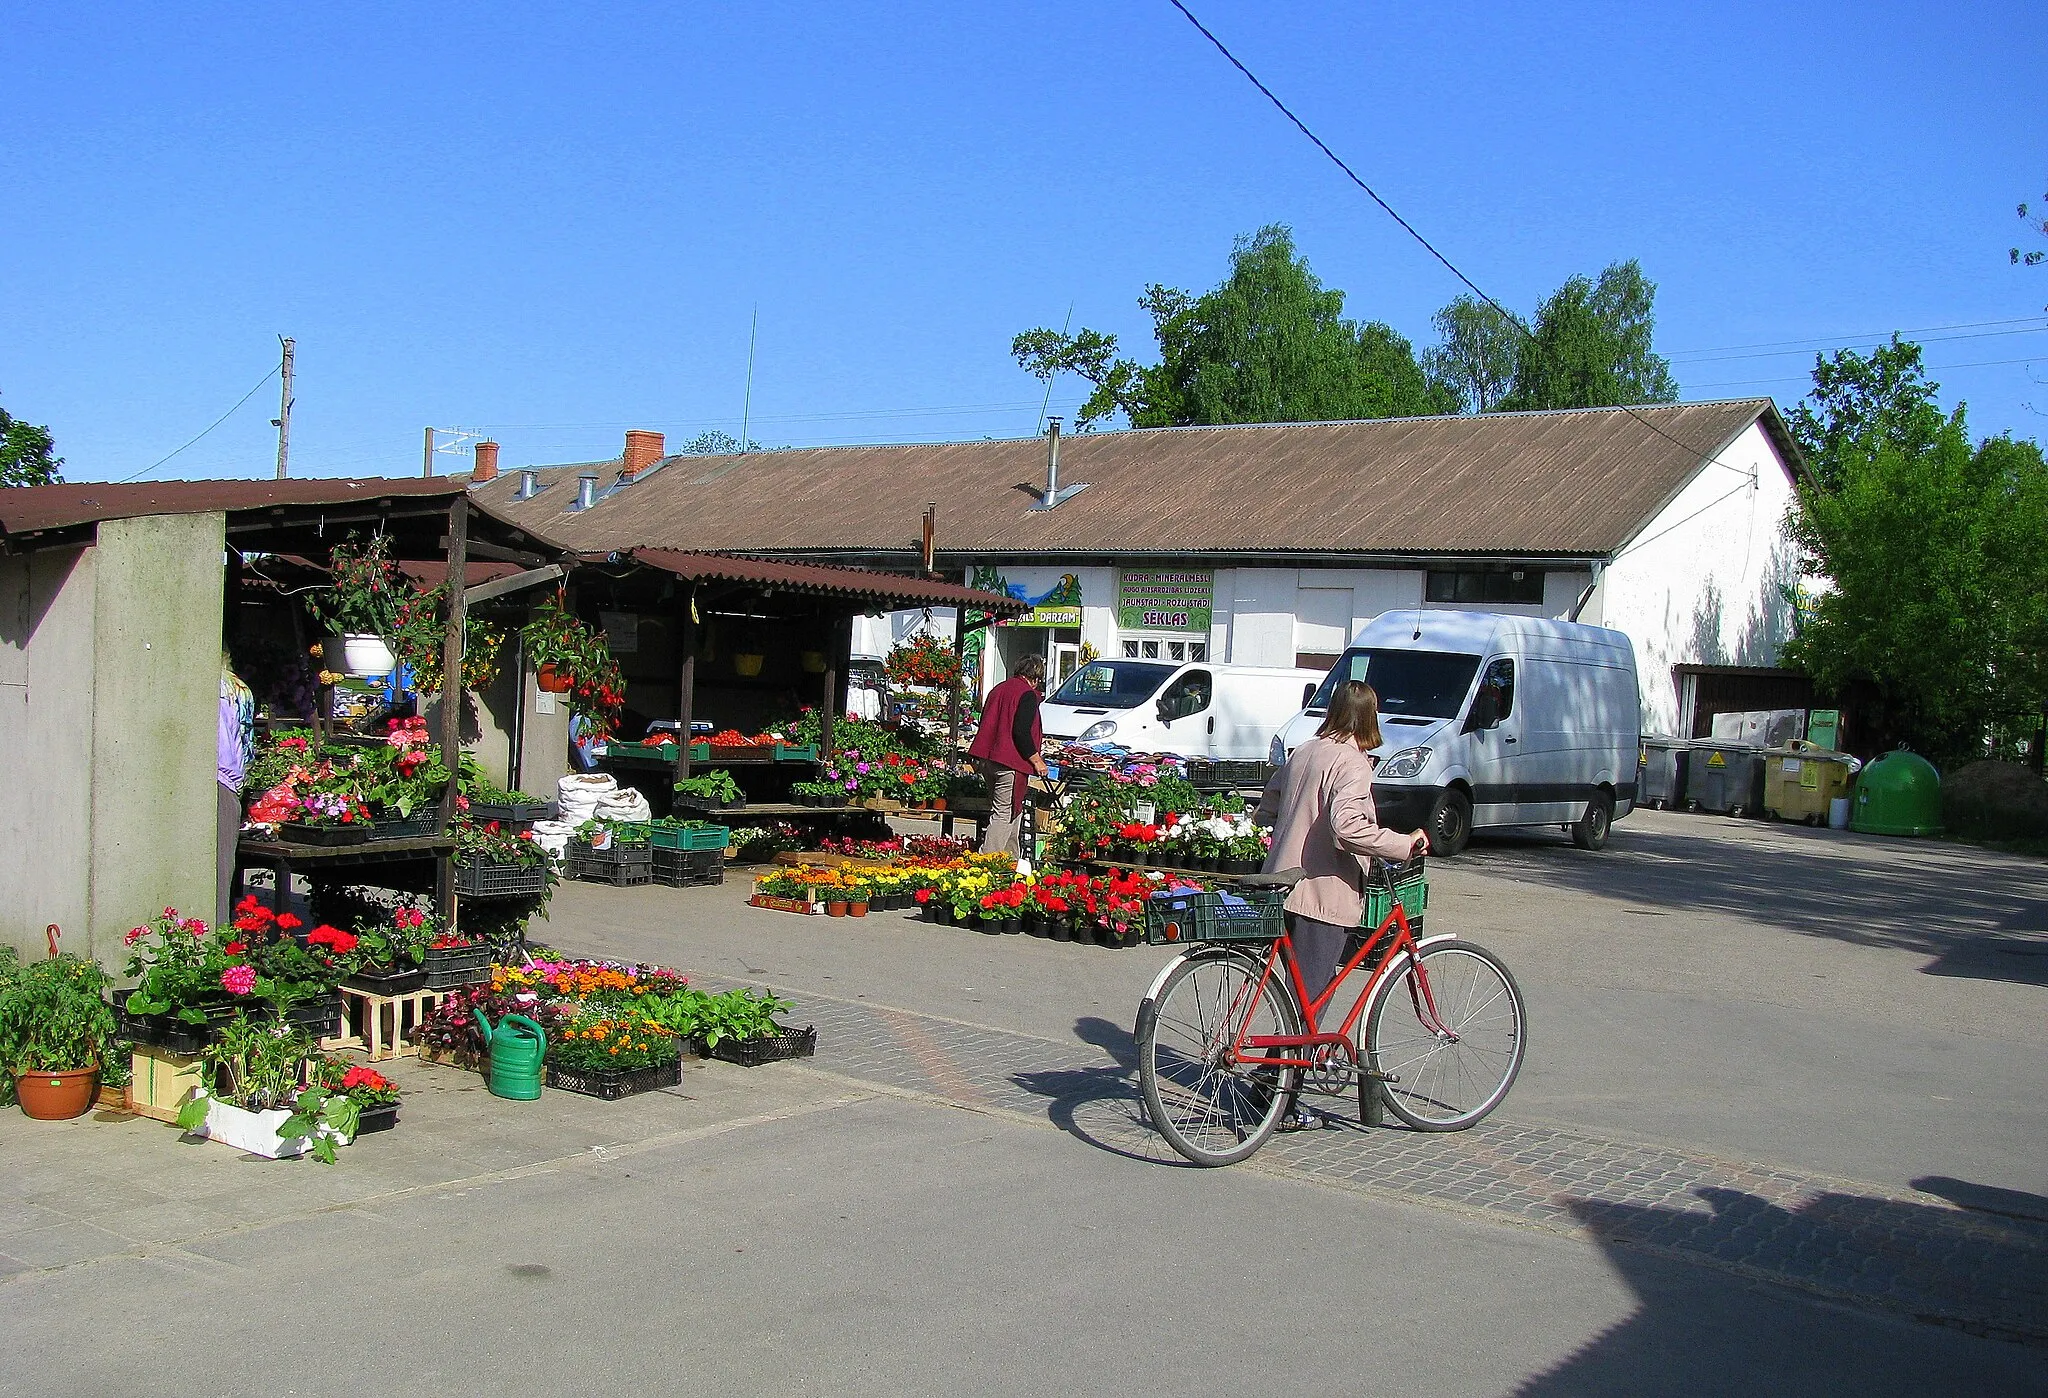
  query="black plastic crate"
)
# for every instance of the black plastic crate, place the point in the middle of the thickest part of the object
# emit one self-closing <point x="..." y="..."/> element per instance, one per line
<point x="413" y="827"/>
<point x="293" y="833"/>
<point x="621" y="866"/>
<point x="449" y="967"/>
<point x="1256" y="915"/>
<point x="610" y="1086"/>
<point x="688" y="868"/>
<point x="319" y="1016"/>
<point x="376" y="1119"/>
<point x="510" y="812"/>
<point x="476" y="879"/>
<point x="752" y="1053"/>
<point x="705" y="803"/>
<point x="393" y="982"/>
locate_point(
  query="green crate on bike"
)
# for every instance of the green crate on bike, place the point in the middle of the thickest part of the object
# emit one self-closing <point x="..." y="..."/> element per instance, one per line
<point x="1257" y="915"/>
<point x="1413" y="892"/>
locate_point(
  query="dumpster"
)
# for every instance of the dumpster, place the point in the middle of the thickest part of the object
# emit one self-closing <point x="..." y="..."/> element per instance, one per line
<point x="1660" y="772"/>
<point x="1724" y="778"/>
<point x="1899" y="794"/>
<point x="1801" y="779"/>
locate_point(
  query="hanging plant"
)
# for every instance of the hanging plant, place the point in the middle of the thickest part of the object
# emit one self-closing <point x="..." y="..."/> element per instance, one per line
<point x="923" y="661"/>
<point x="421" y="624"/>
<point x="580" y="665"/>
<point x="365" y="589"/>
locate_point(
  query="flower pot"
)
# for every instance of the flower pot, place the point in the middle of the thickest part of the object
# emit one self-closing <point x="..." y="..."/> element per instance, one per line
<point x="747" y="666"/>
<point x="1011" y="926"/>
<point x="941" y="913"/>
<point x="938" y="803"/>
<point x="857" y="909"/>
<point x="57" y="1096"/>
<point x="1059" y="929"/>
<point x="254" y="1132"/>
<point x="550" y="679"/>
<point x="835" y="909"/>
<point x="813" y="662"/>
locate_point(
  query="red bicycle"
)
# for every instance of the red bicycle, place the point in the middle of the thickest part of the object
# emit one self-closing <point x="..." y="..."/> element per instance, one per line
<point x="1228" y="1035"/>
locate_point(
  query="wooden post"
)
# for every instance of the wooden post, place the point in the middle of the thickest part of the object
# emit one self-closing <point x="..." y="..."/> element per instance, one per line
<point x="829" y="710"/>
<point x="686" y="683"/>
<point x="451" y="690"/>
<point x="953" y="707"/>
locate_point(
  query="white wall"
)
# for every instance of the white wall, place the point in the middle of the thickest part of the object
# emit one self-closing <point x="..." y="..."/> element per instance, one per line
<point x="1700" y="583"/>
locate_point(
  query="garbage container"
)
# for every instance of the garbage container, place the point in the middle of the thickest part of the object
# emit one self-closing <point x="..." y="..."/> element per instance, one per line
<point x="1898" y="794"/>
<point x="1724" y="778"/>
<point x="1801" y="779"/>
<point x="1660" y="772"/>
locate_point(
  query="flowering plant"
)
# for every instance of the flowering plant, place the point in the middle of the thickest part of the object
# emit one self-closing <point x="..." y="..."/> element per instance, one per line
<point x="493" y="843"/>
<point x="364" y="589"/>
<point x="401" y="939"/>
<point x="363" y="1085"/>
<point x="925" y="661"/>
<point x="597" y="690"/>
<point x="273" y="964"/>
<point x="599" y="1042"/>
<point x="180" y="962"/>
<point x="419" y="629"/>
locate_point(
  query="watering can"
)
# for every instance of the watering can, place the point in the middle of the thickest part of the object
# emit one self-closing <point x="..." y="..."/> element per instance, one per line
<point x="516" y="1047"/>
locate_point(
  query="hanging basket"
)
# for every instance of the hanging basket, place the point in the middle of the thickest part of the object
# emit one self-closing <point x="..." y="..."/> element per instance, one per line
<point x="358" y="653"/>
<point x="747" y="666"/>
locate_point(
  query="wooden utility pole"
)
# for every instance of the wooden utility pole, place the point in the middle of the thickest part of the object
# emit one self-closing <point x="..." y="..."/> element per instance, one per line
<point x="452" y="639"/>
<point x="283" y="421"/>
<point x="427" y="461"/>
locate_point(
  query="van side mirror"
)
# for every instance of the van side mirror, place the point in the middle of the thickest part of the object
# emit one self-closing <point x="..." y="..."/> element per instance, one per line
<point x="1485" y="711"/>
<point x="1308" y="692"/>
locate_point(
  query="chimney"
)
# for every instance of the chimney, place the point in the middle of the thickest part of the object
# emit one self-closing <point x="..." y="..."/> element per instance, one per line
<point x="486" y="463"/>
<point x="529" y="483"/>
<point x="586" y="490"/>
<point x="1054" y="494"/>
<point x="643" y="449"/>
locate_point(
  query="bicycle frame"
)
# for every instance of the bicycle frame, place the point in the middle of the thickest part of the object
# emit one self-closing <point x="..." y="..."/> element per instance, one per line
<point x="1402" y="946"/>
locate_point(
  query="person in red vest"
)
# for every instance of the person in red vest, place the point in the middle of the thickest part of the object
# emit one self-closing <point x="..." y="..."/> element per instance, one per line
<point x="1006" y="747"/>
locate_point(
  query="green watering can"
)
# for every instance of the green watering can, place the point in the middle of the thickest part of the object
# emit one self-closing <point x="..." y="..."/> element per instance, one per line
<point x="516" y="1046"/>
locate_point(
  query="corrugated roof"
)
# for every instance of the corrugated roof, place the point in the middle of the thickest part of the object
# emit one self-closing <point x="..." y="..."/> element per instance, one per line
<point x="1581" y="482"/>
<point x="864" y="583"/>
<point x="25" y="509"/>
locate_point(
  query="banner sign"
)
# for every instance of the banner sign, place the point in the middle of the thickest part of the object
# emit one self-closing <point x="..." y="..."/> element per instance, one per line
<point x="1164" y="599"/>
<point x="1056" y="608"/>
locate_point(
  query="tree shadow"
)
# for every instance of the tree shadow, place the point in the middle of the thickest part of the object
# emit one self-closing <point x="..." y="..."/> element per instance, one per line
<point x="1102" y="1105"/>
<point x="1715" y="1329"/>
<point x="1973" y="913"/>
<point x="1985" y="1198"/>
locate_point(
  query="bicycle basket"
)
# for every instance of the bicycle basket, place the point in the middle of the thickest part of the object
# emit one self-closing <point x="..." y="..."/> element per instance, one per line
<point x="1410" y="886"/>
<point x="1256" y="915"/>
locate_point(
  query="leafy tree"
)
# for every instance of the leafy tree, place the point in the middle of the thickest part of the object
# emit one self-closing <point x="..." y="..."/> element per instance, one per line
<point x="27" y="453"/>
<point x="1590" y="347"/>
<point x="1939" y="603"/>
<point x="713" y="442"/>
<point x="1859" y="401"/>
<point x="1481" y="345"/>
<point x="1269" y="344"/>
<point x="2036" y="223"/>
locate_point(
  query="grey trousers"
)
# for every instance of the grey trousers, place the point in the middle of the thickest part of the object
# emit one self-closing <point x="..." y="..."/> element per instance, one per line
<point x="1319" y="947"/>
<point x="228" y="825"/>
<point x="1003" y="826"/>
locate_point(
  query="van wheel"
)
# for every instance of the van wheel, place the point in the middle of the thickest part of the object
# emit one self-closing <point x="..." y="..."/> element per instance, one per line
<point x="1590" y="831"/>
<point x="1450" y="824"/>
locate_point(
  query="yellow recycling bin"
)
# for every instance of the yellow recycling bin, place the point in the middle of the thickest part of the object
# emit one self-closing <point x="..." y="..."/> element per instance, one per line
<point x="1801" y="778"/>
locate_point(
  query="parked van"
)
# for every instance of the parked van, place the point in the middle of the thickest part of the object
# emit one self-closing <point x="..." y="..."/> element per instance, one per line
<point x="1492" y="721"/>
<point x="1196" y="710"/>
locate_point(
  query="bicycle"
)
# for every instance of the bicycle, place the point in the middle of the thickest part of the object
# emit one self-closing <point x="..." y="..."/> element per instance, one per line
<point x="1228" y="1034"/>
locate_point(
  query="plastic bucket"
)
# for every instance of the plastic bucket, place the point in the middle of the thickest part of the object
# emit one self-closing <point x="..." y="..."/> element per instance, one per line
<point x="1838" y="813"/>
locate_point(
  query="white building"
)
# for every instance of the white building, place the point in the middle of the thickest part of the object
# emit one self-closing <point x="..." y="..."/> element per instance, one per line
<point x="1269" y="544"/>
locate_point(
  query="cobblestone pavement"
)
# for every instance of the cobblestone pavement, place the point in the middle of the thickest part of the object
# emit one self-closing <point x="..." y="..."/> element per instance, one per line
<point x="1978" y="1271"/>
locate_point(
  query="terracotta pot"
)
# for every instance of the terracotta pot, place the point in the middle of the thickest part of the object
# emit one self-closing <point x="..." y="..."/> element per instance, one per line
<point x="938" y="803"/>
<point x="835" y="910"/>
<point x="57" y="1096"/>
<point x="551" y="679"/>
<point x="856" y="909"/>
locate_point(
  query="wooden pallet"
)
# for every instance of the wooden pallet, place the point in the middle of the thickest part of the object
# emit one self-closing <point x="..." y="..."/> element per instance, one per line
<point x="159" y="1081"/>
<point x="379" y="1025"/>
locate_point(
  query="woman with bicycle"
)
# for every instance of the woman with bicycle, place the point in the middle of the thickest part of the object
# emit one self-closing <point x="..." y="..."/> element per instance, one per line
<point x="1320" y="809"/>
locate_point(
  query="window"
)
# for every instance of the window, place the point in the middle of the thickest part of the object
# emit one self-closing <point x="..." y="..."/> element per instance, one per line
<point x="1150" y="649"/>
<point x="1198" y="650"/>
<point x="1496" y="697"/>
<point x="1416" y="684"/>
<point x="1130" y="650"/>
<point x="1185" y="696"/>
<point x="1111" y="684"/>
<point x="1482" y="585"/>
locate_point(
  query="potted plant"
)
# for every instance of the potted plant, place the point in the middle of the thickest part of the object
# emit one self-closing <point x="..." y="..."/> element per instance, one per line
<point x="392" y="952"/>
<point x="419" y="629"/>
<point x="606" y="1053"/>
<point x="182" y="969"/>
<point x="359" y="606"/>
<point x="714" y="790"/>
<point x="255" y="1098"/>
<point x="56" y="1029"/>
<point x="494" y="861"/>
<point x="375" y="1096"/>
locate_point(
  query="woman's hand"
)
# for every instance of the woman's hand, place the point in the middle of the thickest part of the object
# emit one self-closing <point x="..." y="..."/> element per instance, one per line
<point x="1419" y="845"/>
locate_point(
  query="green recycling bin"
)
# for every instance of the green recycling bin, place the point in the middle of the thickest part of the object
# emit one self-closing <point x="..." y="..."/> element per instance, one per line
<point x="1899" y="794"/>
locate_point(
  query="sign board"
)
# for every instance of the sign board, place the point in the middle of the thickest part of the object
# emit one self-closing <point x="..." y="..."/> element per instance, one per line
<point x="1164" y="599"/>
<point x="1056" y="608"/>
<point x="1048" y="617"/>
<point x="621" y="631"/>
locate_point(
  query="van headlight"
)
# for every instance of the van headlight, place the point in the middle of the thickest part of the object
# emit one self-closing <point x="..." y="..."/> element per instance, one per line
<point x="1097" y="731"/>
<point x="1406" y="763"/>
<point x="1276" y="755"/>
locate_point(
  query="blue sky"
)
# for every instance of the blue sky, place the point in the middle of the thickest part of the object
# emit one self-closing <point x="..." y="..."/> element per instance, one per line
<point x="555" y="222"/>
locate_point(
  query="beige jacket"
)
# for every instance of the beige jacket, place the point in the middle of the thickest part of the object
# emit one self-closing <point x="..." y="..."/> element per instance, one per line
<point x="1320" y="808"/>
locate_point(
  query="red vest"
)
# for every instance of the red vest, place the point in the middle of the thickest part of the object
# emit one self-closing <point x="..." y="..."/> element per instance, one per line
<point x="992" y="741"/>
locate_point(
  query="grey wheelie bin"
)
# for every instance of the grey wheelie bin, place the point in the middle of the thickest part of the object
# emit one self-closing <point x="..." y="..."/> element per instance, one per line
<point x="1661" y="773"/>
<point x="1724" y="778"/>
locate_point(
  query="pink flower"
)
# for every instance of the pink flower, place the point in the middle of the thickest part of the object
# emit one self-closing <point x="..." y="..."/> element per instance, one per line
<point x="238" y="980"/>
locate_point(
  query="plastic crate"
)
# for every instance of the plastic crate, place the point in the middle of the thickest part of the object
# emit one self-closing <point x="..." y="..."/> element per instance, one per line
<point x="1413" y="892"/>
<point x="388" y="982"/>
<point x="319" y="1016"/>
<point x="610" y="1086"/>
<point x="449" y="967"/>
<point x="510" y="812"/>
<point x="621" y="866"/>
<point x="292" y="833"/>
<point x="476" y="879"/>
<point x="687" y="868"/>
<point x="752" y="1053"/>
<point x="790" y="752"/>
<point x="417" y="826"/>
<point x="700" y="838"/>
<point x="1257" y="915"/>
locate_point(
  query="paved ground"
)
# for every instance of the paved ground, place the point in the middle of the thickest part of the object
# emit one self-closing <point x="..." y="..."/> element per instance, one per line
<point x="1786" y="1136"/>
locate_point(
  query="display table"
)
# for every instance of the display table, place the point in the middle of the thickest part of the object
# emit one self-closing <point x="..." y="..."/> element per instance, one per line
<point x="285" y="859"/>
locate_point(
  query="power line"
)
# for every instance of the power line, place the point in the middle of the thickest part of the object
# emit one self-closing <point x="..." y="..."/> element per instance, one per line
<point x="1430" y="247"/>
<point x="1857" y="336"/>
<point x="267" y="377"/>
<point x="1931" y="368"/>
<point x="1821" y="346"/>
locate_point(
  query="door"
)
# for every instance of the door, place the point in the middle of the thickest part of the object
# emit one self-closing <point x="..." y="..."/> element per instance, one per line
<point x="1186" y="712"/>
<point x="1493" y="735"/>
<point x="1066" y="658"/>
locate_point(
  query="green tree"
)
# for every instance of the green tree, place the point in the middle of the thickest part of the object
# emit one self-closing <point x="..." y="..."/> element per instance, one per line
<point x="1475" y="361"/>
<point x="1591" y="346"/>
<point x="1858" y="402"/>
<point x="714" y="442"/>
<point x="1939" y="603"/>
<point x="1269" y="344"/>
<point x="27" y="453"/>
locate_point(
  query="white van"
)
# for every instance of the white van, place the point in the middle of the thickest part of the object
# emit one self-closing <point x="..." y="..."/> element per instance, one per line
<point x="1492" y="721"/>
<point x="1197" y="710"/>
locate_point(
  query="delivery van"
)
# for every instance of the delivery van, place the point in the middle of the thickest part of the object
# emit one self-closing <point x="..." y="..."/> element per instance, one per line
<point x="1197" y="710"/>
<point x="1492" y="721"/>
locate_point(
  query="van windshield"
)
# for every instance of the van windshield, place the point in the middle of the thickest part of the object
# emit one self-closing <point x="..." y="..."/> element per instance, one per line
<point x="1112" y="684"/>
<point x="1410" y="683"/>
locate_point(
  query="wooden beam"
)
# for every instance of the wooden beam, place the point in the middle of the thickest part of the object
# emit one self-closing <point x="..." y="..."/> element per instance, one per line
<point x="479" y="548"/>
<point x="512" y="582"/>
<point x="451" y="694"/>
<point x="686" y="678"/>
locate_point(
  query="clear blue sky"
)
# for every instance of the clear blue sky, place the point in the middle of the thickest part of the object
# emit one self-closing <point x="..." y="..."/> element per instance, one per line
<point x="554" y="222"/>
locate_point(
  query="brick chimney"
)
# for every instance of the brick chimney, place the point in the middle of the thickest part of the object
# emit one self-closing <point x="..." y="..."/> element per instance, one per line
<point x="486" y="463"/>
<point x="643" y="449"/>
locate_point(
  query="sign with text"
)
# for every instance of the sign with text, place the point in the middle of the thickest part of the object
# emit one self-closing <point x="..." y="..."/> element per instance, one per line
<point x="1164" y="599"/>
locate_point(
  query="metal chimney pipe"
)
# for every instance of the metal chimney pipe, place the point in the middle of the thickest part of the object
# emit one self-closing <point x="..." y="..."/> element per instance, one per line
<point x="586" y="490"/>
<point x="1052" y="462"/>
<point x="529" y="483"/>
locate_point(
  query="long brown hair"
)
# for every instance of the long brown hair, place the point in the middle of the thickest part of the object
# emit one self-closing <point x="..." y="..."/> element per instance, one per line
<point x="1354" y="714"/>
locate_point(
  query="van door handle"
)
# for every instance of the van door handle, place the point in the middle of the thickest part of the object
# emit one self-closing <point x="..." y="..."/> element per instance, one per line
<point x="1511" y="740"/>
<point x="1212" y="723"/>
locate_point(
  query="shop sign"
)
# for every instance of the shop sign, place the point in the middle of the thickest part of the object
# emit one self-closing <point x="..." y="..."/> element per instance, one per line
<point x="1164" y="599"/>
<point x="1059" y="607"/>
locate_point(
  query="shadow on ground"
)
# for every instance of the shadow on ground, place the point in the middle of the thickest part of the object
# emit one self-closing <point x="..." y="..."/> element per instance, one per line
<point x="1976" y="914"/>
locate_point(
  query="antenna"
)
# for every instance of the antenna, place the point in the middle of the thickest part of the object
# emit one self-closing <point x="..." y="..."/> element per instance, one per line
<point x="1065" y="326"/>
<point x="747" y="406"/>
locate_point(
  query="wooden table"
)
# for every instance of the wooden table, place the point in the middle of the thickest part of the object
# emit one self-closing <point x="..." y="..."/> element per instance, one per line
<point x="285" y="858"/>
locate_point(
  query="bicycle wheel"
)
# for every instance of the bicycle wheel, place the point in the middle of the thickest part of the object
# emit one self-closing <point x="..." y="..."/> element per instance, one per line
<point x="1447" y="1071"/>
<point x="1211" y="1110"/>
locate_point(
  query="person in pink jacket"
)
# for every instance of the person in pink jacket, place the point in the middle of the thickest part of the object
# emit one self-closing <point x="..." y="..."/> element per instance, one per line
<point x="1320" y="809"/>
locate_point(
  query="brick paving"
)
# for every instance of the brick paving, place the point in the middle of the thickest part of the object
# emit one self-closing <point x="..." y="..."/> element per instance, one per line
<point x="1980" y="1272"/>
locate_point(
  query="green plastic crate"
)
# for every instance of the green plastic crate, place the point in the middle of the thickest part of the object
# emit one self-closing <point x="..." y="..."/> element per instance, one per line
<point x="1379" y="904"/>
<point x="789" y="752"/>
<point x="1258" y="915"/>
<point x="700" y="838"/>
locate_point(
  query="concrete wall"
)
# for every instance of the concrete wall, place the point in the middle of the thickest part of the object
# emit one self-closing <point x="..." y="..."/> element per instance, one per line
<point x="46" y="729"/>
<point x="155" y="699"/>
<point x="1702" y="582"/>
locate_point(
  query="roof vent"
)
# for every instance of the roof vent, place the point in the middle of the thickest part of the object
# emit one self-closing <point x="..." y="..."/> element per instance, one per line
<point x="529" y="484"/>
<point x="1054" y="492"/>
<point x="586" y="491"/>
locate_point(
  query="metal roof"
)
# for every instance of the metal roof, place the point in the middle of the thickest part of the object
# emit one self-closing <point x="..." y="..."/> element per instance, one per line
<point x="1581" y="482"/>
<point x="26" y="509"/>
<point x="866" y="584"/>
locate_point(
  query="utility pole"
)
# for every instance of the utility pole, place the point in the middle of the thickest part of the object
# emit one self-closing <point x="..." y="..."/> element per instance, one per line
<point x="283" y="421"/>
<point x="427" y="461"/>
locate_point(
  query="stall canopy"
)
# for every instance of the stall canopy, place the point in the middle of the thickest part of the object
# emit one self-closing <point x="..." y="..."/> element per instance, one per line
<point x="892" y="590"/>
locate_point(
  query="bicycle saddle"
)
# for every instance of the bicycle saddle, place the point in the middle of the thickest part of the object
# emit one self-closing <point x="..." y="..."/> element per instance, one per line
<point x="1284" y="878"/>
